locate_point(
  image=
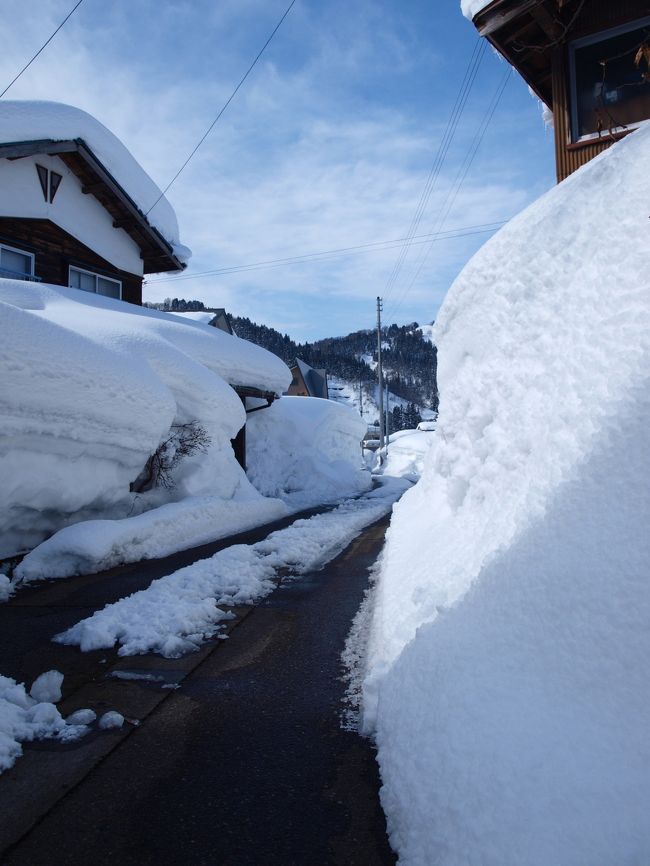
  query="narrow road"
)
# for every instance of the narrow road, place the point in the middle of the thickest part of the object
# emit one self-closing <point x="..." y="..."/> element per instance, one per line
<point x="246" y="763"/>
<point x="30" y="619"/>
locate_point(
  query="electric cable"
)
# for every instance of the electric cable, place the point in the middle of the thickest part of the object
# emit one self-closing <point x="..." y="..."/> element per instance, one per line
<point x="460" y="102"/>
<point x="453" y="191"/>
<point x="42" y="48"/>
<point x="224" y="107"/>
<point x="327" y="255"/>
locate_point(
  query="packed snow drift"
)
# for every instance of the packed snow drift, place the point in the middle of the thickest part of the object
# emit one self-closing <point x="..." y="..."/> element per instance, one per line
<point x="508" y="676"/>
<point x="306" y="450"/>
<point x="90" y="388"/>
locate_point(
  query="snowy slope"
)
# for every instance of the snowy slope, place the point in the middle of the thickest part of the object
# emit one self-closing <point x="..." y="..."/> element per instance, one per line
<point x="35" y="120"/>
<point x="509" y="662"/>
<point x="89" y="388"/>
<point x="367" y="406"/>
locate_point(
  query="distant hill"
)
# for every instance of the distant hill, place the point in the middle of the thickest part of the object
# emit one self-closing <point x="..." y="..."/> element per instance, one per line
<point x="409" y="358"/>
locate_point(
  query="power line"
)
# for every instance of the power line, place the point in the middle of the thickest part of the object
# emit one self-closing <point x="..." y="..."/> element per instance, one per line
<point x="224" y="107"/>
<point x="325" y="255"/>
<point x="458" y="107"/>
<point x="43" y="46"/>
<point x="453" y="191"/>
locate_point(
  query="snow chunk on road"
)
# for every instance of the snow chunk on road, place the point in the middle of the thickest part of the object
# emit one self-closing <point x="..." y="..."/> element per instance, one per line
<point x="306" y="451"/>
<point x="177" y="613"/>
<point x="47" y="687"/>
<point x="509" y="659"/>
<point x="110" y="721"/>
<point x="24" y="718"/>
<point x="82" y="717"/>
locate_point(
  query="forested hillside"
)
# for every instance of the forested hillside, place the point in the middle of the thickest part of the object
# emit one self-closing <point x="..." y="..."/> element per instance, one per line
<point x="409" y="358"/>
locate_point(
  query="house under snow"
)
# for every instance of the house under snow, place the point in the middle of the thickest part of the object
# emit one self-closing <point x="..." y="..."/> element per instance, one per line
<point x="76" y="208"/>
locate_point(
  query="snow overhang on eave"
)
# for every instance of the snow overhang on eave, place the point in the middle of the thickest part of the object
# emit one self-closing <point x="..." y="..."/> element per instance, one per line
<point x="156" y="252"/>
<point x="510" y="24"/>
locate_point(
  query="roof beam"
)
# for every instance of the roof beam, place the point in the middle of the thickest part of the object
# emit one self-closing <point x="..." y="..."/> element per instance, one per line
<point x="20" y="149"/>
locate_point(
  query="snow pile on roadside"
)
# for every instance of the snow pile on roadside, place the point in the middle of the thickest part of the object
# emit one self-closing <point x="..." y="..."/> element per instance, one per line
<point x="26" y="717"/>
<point x="33" y="120"/>
<point x="406" y="452"/>
<point x="91" y="386"/>
<point x="306" y="450"/>
<point x="177" y="613"/>
<point x="509" y="660"/>
<point x="96" y="545"/>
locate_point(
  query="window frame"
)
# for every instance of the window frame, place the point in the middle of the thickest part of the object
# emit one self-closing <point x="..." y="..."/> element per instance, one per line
<point x="21" y="252"/>
<point x="97" y="276"/>
<point x="577" y="44"/>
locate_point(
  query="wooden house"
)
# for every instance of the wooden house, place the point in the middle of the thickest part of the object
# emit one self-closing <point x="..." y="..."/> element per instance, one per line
<point x="587" y="60"/>
<point x="66" y="217"/>
<point x="307" y="381"/>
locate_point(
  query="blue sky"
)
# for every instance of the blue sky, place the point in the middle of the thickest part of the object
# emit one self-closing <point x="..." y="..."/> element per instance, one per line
<point x="328" y="144"/>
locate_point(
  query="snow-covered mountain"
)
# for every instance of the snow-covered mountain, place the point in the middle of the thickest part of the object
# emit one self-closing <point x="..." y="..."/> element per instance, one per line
<point x="409" y="357"/>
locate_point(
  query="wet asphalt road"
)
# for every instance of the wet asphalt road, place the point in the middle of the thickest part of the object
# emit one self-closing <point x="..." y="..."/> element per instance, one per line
<point x="38" y="612"/>
<point x="246" y="763"/>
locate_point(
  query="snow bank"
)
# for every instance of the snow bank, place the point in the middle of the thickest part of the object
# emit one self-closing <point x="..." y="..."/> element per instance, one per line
<point x="509" y="659"/>
<point x="24" y="718"/>
<point x="89" y="388"/>
<point x="306" y="450"/>
<point x="96" y="545"/>
<point x="36" y="120"/>
<point x="406" y="452"/>
<point x="178" y="612"/>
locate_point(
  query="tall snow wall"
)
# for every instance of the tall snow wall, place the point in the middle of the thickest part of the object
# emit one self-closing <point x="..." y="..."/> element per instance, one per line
<point x="508" y="678"/>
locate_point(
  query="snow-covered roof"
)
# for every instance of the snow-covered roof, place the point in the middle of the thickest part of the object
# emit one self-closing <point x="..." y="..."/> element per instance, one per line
<point x="315" y="380"/>
<point x="204" y="316"/>
<point x="470" y="8"/>
<point x="27" y="120"/>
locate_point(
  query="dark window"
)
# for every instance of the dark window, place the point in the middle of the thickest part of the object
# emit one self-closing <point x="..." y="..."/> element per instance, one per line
<point x="87" y="281"/>
<point x="16" y="264"/>
<point x="611" y="80"/>
<point x="50" y="182"/>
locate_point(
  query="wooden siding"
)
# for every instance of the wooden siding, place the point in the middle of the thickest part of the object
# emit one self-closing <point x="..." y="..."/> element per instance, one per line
<point x="55" y="251"/>
<point x="525" y="32"/>
<point x="569" y="157"/>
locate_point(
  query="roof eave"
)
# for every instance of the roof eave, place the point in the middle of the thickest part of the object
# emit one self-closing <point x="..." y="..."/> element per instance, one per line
<point x="160" y="256"/>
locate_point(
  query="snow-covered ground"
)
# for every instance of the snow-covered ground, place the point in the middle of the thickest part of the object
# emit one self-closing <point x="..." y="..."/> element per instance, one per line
<point x="306" y="451"/>
<point x="179" y="612"/>
<point x="508" y="675"/>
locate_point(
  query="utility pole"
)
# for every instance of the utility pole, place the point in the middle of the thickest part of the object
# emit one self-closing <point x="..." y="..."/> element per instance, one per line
<point x="380" y="402"/>
<point x="387" y="414"/>
<point x="360" y="398"/>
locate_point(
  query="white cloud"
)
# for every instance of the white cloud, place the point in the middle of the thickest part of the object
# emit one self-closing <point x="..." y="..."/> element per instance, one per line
<point x="311" y="155"/>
